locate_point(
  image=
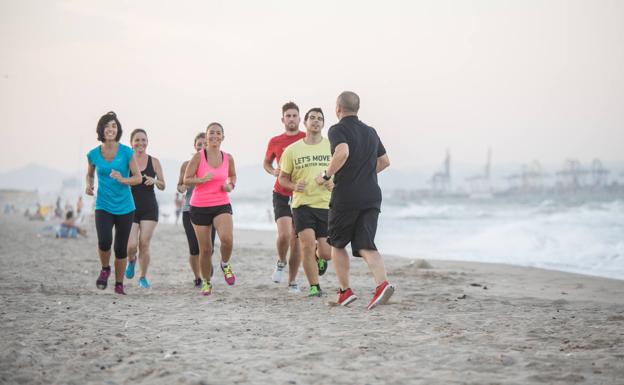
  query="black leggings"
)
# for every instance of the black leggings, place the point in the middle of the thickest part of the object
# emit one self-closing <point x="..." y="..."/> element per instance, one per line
<point x="190" y="234"/>
<point x="104" y="222"/>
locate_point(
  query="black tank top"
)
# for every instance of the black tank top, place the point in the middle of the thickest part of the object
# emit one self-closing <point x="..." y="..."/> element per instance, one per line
<point x="142" y="194"/>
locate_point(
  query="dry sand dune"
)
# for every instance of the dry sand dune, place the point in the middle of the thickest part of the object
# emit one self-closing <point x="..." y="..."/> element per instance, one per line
<point x="448" y="322"/>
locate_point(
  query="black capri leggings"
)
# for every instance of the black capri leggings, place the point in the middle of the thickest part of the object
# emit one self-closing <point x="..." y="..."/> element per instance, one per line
<point x="104" y="222"/>
<point x="190" y="234"/>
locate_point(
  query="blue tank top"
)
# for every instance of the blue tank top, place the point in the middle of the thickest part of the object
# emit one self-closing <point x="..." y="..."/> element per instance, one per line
<point x="112" y="196"/>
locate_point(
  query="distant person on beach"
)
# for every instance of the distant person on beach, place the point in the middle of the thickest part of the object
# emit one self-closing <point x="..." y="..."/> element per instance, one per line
<point x="58" y="211"/>
<point x="286" y="236"/>
<point x="114" y="206"/>
<point x="68" y="228"/>
<point x="357" y="156"/>
<point x="213" y="174"/>
<point x="79" y="206"/>
<point x="179" y="202"/>
<point x="200" y="145"/>
<point x="301" y="162"/>
<point x="146" y="213"/>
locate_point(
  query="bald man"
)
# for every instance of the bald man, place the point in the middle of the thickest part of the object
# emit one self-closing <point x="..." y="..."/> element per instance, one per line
<point x="357" y="156"/>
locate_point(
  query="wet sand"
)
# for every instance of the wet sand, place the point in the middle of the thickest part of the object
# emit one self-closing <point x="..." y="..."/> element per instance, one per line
<point x="448" y="322"/>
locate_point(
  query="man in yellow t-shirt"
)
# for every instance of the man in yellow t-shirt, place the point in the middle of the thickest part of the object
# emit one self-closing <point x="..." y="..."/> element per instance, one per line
<point x="301" y="162"/>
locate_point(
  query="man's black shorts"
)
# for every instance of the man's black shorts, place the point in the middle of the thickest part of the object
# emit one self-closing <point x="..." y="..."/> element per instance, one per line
<point x="281" y="206"/>
<point x="356" y="226"/>
<point x="310" y="218"/>
<point x="204" y="216"/>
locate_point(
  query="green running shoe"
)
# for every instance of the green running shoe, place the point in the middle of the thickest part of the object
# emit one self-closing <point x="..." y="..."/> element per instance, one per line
<point x="322" y="265"/>
<point x="315" y="291"/>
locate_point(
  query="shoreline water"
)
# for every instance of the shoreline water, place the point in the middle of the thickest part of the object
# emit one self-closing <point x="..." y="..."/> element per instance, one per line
<point x="448" y="322"/>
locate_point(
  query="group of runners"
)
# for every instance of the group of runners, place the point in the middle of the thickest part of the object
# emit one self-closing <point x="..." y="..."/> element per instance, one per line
<point x="325" y="197"/>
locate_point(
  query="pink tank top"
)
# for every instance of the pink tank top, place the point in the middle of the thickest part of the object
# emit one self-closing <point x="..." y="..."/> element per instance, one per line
<point x="210" y="194"/>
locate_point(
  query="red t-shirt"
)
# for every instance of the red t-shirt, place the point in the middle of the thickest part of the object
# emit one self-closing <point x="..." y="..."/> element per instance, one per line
<point x="276" y="147"/>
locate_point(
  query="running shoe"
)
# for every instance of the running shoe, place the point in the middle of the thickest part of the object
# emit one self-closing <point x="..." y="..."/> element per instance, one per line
<point x="102" y="280"/>
<point x="293" y="288"/>
<point x="144" y="283"/>
<point x="346" y="297"/>
<point x="382" y="294"/>
<point x="206" y="288"/>
<point x="130" y="269"/>
<point x="322" y="265"/>
<point x="315" y="291"/>
<point x="198" y="282"/>
<point x="278" y="274"/>
<point x="228" y="275"/>
<point x="119" y="289"/>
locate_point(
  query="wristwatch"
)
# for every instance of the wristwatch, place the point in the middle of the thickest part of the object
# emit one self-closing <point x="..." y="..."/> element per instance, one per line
<point x="325" y="176"/>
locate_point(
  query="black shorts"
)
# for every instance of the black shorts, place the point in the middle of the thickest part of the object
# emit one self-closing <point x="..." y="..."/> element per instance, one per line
<point x="281" y="206"/>
<point x="355" y="226"/>
<point x="310" y="218"/>
<point x="146" y="212"/>
<point x="204" y="216"/>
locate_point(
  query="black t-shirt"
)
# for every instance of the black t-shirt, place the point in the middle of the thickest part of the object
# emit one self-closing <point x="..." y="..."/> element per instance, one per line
<point x="356" y="182"/>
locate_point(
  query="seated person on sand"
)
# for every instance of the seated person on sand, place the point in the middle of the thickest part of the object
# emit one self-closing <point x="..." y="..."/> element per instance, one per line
<point x="69" y="229"/>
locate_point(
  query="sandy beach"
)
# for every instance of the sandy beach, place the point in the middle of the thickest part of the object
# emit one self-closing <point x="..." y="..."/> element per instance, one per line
<point x="448" y="322"/>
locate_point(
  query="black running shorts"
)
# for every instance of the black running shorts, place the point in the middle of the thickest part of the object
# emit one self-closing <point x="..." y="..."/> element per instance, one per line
<point x="357" y="227"/>
<point x="204" y="216"/>
<point x="311" y="218"/>
<point x="146" y="212"/>
<point x="281" y="206"/>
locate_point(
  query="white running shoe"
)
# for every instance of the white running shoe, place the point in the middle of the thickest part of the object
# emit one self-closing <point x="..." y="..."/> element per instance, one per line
<point x="293" y="288"/>
<point x="278" y="274"/>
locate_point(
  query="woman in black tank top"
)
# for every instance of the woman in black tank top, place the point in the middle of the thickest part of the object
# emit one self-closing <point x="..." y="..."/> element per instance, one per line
<point x="146" y="214"/>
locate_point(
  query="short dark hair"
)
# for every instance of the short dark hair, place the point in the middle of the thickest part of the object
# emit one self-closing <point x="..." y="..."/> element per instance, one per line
<point x="109" y="116"/>
<point x="215" y="124"/>
<point x="315" y="109"/>
<point x="349" y="101"/>
<point x="289" y="106"/>
<point x="136" y="131"/>
<point x="201" y="135"/>
<point x="69" y="214"/>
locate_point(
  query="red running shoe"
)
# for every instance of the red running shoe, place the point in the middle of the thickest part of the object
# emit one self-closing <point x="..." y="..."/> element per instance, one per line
<point x="346" y="297"/>
<point x="382" y="294"/>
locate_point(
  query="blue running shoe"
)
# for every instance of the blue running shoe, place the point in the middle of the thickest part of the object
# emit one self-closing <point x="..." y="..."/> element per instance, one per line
<point x="130" y="269"/>
<point x="143" y="283"/>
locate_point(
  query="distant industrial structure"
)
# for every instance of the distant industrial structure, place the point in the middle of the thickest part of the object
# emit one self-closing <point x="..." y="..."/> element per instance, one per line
<point x="532" y="179"/>
<point x="480" y="185"/>
<point x="441" y="180"/>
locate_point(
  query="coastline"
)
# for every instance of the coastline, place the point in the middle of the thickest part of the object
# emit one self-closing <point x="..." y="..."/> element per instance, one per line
<point x="448" y="322"/>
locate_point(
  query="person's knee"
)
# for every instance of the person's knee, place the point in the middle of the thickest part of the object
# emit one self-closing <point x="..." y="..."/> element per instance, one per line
<point x="283" y="236"/>
<point x="308" y="247"/>
<point x="144" y="245"/>
<point x="132" y="247"/>
<point x="205" y="251"/>
<point x="120" y="253"/>
<point x="226" y="241"/>
<point x="369" y="255"/>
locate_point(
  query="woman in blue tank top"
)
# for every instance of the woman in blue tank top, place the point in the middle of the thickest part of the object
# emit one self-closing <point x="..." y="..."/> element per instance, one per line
<point x="114" y="206"/>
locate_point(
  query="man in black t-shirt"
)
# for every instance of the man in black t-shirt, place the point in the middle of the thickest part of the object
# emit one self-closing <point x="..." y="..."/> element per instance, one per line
<point x="357" y="156"/>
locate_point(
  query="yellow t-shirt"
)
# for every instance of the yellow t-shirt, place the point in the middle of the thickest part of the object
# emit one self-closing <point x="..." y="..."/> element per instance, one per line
<point x="304" y="162"/>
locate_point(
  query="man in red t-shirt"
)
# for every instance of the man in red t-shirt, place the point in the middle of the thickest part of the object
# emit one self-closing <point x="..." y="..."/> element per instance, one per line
<point x="281" y="198"/>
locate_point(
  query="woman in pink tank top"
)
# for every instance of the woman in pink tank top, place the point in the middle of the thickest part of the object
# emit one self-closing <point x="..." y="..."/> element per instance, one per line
<point x="213" y="174"/>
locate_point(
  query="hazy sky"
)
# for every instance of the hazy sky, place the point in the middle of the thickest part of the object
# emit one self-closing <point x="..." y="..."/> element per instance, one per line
<point x="532" y="79"/>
